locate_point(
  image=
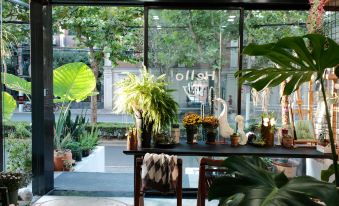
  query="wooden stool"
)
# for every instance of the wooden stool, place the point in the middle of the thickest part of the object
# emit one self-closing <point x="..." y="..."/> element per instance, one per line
<point x="139" y="194"/>
<point x="206" y="178"/>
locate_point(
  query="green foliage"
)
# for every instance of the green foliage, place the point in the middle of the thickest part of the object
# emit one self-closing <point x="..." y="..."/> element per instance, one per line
<point x="61" y="57"/>
<point x="73" y="82"/>
<point x="250" y="184"/>
<point x="22" y="131"/>
<point x="75" y="128"/>
<point x="13" y="34"/>
<point x="89" y="140"/>
<point x="19" y="157"/>
<point x="299" y="58"/>
<point x="268" y="26"/>
<point x="190" y="37"/>
<point x="326" y="174"/>
<point x="107" y="29"/>
<point x="148" y="96"/>
<point x="16" y="83"/>
<point x="9" y="105"/>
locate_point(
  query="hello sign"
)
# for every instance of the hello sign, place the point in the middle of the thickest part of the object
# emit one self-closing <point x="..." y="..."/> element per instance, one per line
<point x="190" y="75"/>
<point x="198" y="89"/>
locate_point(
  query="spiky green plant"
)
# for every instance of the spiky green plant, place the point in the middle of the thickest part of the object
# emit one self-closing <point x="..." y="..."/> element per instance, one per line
<point x="147" y="96"/>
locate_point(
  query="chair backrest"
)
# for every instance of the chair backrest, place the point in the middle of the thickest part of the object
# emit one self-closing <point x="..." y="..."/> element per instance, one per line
<point x="4" y="200"/>
<point x="209" y="169"/>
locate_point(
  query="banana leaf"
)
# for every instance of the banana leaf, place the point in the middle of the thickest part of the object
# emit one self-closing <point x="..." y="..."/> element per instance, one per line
<point x="297" y="60"/>
<point x="9" y="105"/>
<point x="73" y="82"/>
<point x="16" y="83"/>
<point x="250" y="184"/>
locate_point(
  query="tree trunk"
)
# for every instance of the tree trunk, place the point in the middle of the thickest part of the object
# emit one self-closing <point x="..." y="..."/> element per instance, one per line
<point x="94" y="101"/>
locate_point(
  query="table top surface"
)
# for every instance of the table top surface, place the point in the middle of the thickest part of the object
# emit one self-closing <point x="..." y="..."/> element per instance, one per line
<point x="203" y="149"/>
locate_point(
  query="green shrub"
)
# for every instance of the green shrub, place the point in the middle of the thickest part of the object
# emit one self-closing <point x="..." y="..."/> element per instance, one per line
<point x="19" y="156"/>
<point x="110" y="130"/>
<point x="17" y="129"/>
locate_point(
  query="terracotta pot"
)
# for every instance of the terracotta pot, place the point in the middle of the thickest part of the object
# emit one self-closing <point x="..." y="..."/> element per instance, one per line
<point x="235" y="140"/>
<point x="190" y="134"/>
<point x="59" y="157"/>
<point x="287" y="141"/>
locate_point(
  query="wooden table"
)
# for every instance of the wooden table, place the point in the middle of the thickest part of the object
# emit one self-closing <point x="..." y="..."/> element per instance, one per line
<point x="203" y="149"/>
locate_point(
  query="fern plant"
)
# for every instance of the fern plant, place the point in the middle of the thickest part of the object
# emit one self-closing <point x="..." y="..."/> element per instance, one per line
<point x="147" y="98"/>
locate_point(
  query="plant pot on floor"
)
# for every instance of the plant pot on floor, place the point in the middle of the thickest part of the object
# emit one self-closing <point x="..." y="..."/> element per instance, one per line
<point x="59" y="157"/>
<point x="86" y="152"/>
<point x="77" y="155"/>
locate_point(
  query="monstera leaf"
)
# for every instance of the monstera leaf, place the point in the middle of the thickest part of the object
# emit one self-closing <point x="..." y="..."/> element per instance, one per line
<point x="250" y="184"/>
<point x="73" y="82"/>
<point x="297" y="58"/>
<point x="9" y="105"/>
<point x="16" y="83"/>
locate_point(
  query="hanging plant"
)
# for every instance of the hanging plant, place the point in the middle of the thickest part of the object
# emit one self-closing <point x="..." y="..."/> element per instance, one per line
<point x="316" y="16"/>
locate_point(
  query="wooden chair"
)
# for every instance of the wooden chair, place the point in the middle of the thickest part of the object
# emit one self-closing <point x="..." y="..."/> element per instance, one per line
<point x="209" y="169"/>
<point x="4" y="200"/>
<point x="139" y="193"/>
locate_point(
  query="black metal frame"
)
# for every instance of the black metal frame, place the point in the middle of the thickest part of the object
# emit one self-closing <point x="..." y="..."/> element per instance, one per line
<point x="41" y="60"/>
<point x="42" y="96"/>
<point x="1" y="116"/>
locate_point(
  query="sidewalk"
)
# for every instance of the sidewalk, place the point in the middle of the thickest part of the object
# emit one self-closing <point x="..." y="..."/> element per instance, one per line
<point x="103" y="116"/>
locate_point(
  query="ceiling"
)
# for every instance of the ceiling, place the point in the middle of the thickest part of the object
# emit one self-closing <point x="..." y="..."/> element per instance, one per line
<point x="205" y="4"/>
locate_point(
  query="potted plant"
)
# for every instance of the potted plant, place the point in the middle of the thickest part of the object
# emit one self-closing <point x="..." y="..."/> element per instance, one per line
<point x="75" y="149"/>
<point x="88" y="141"/>
<point x="164" y="140"/>
<point x="149" y="101"/>
<point x="13" y="181"/>
<point x="267" y="129"/>
<point x="300" y="59"/>
<point x="210" y="124"/>
<point x="235" y="138"/>
<point x="61" y="153"/>
<point x="68" y="165"/>
<point x="191" y="122"/>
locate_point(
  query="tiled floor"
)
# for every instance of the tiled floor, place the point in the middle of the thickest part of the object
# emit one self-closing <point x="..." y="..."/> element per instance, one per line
<point x="110" y="201"/>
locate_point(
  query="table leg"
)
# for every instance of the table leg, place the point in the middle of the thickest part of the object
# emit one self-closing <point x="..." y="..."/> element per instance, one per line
<point x="135" y="180"/>
<point x="303" y="166"/>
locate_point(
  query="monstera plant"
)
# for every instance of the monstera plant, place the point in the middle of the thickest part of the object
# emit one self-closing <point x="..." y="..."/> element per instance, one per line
<point x="299" y="60"/>
<point x="249" y="183"/>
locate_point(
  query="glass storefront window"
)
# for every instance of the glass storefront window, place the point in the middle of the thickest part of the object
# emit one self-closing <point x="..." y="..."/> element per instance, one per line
<point x="198" y="51"/>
